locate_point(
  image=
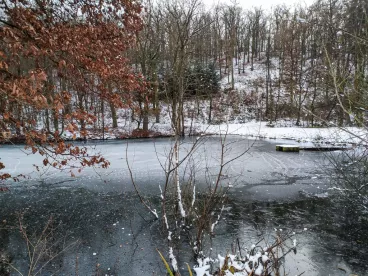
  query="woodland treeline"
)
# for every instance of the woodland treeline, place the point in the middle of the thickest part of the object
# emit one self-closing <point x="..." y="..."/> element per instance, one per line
<point x="315" y="57"/>
<point x="315" y="60"/>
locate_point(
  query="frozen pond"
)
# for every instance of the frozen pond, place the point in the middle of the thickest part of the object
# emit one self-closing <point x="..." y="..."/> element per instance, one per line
<point x="104" y="229"/>
<point x="260" y="165"/>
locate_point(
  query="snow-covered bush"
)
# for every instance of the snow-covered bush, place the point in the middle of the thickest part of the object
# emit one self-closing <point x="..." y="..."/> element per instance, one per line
<point x="257" y="261"/>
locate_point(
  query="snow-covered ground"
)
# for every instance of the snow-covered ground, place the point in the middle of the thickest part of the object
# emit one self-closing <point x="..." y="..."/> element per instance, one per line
<point x="256" y="129"/>
<point x="244" y="82"/>
<point x="261" y="130"/>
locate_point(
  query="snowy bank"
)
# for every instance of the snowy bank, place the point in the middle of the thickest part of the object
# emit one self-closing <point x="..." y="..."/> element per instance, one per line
<point x="353" y="135"/>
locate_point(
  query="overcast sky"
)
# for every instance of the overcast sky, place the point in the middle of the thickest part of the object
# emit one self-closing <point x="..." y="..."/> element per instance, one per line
<point x="266" y="4"/>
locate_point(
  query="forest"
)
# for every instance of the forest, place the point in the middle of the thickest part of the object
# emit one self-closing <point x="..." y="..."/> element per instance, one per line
<point x="67" y="66"/>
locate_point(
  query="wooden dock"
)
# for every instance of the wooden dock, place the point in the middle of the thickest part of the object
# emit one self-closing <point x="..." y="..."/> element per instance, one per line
<point x="288" y="148"/>
<point x="296" y="148"/>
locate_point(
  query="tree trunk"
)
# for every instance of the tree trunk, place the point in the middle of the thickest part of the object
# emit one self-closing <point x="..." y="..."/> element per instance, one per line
<point x="145" y="117"/>
<point x="210" y="112"/>
<point x="103" y="118"/>
<point x="113" y="115"/>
